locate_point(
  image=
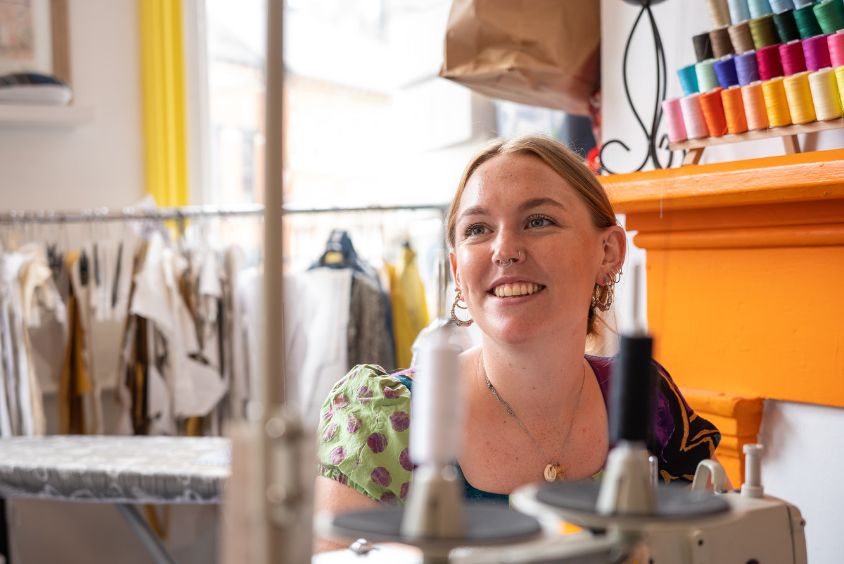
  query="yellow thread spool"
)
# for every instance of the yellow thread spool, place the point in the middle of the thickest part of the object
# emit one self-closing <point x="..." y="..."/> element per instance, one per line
<point x="754" y="106"/>
<point x="776" y="104"/>
<point x="799" y="98"/>
<point x="839" y="78"/>
<point x="824" y="88"/>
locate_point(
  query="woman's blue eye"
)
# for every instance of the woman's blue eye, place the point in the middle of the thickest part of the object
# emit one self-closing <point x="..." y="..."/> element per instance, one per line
<point x="476" y="229"/>
<point x="539" y="221"/>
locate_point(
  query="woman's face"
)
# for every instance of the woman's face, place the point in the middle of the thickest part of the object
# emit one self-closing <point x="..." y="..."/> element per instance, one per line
<point x="516" y="207"/>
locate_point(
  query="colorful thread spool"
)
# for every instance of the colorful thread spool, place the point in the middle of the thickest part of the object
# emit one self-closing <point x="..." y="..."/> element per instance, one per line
<point x="780" y="6"/>
<point x="791" y="56"/>
<point x="739" y="11"/>
<point x="839" y="79"/>
<point x="740" y="37"/>
<point x="759" y="8"/>
<point x="725" y="70"/>
<point x="825" y="94"/>
<point x="768" y="61"/>
<point x="807" y="23"/>
<point x="754" y="106"/>
<point x="713" y="112"/>
<point x="703" y="46"/>
<point x="706" y="77"/>
<point x="721" y="44"/>
<point x="816" y="52"/>
<point x="835" y="43"/>
<point x="734" y="110"/>
<point x="776" y="104"/>
<point x="746" y="68"/>
<point x="786" y="26"/>
<point x="830" y="14"/>
<point x="719" y="12"/>
<point x="799" y="98"/>
<point x="674" y="120"/>
<point x="693" y="117"/>
<point x="763" y="31"/>
<point x="802" y="3"/>
<point x="688" y="80"/>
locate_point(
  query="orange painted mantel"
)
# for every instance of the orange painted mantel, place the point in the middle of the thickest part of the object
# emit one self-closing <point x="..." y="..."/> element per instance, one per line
<point x="745" y="261"/>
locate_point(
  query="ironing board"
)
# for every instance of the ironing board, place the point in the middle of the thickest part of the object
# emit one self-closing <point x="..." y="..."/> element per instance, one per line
<point x="124" y="471"/>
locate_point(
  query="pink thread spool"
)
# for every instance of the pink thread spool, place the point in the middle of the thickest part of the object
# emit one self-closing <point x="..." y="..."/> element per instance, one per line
<point x="791" y="56"/>
<point x="768" y="61"/>
<point x="674" y="120"/>
<point x="816" y="51"/>
<point x="835" y="42"/>
<point x="693" y="117"/>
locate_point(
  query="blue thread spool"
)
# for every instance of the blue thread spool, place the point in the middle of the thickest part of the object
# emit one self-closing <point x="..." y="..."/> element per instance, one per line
<point x="725" y="70"/>
<point x="780" y="6"/>
<point x="739" y="11"/>
<point x="759" y="8"/>
<point x="688" y="80"/>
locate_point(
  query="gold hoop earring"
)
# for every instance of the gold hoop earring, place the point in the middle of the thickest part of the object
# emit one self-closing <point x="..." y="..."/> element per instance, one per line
<point x="603" y="296"/>
<point x="457" y="305"/>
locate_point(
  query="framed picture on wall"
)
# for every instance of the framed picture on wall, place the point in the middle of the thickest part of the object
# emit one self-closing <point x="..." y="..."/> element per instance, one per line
<point x="34" y="37"/>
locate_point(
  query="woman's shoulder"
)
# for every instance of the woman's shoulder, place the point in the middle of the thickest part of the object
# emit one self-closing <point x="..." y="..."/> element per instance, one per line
<point x="364" y="432"/>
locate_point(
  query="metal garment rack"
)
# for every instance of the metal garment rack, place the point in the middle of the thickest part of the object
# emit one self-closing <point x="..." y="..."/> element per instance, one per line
<point x="96" y="215"/>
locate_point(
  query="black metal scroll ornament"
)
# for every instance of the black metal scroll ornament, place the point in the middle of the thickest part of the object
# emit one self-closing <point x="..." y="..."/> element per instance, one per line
<point x="661" y="84"/>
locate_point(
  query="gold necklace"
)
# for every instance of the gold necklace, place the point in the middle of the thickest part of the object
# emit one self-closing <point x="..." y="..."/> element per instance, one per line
<point x="553" y="471"/>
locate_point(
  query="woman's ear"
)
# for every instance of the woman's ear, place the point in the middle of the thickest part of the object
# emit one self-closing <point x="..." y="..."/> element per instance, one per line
<point x="615" y="249"/>
<point x="452" y="258"/>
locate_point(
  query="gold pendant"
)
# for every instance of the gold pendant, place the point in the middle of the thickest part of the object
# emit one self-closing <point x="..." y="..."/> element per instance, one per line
<point x="554" y="472"/>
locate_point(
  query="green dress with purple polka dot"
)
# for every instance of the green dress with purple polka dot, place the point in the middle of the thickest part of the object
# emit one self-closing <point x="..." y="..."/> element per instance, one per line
<point x="364" y="432"/>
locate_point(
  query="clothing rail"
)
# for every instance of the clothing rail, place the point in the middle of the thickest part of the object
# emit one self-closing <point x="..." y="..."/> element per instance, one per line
<point x="187" y="212"/>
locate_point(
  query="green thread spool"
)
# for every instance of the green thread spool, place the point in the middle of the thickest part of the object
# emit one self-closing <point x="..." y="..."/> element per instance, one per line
<point x="786" y="26"/>
<point x="830" y="15"/>
<point x="807" y="22"/>
<point x="763" y="31"/>
<point x="706" y="77"/>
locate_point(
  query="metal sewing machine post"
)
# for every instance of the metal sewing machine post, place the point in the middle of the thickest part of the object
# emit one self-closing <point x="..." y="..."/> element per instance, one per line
<point x="650" y="130"/>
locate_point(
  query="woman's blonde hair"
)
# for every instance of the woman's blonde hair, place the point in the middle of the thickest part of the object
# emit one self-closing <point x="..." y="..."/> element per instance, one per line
<point x="564" y="162"/>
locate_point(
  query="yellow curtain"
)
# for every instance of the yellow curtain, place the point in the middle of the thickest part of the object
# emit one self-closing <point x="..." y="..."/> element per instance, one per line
<point x="164" y="112"/>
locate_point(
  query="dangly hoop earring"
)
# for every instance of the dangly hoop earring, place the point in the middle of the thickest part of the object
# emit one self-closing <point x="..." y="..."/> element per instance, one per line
<point x="457" y="305"/>
<point x="603" y="296"/>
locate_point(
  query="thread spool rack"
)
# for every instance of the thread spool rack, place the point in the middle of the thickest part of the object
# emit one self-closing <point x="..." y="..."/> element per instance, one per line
<point x="694" y="147"/>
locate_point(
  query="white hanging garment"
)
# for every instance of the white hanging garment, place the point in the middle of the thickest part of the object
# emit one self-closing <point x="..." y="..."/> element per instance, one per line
<point x="157" y="298"/>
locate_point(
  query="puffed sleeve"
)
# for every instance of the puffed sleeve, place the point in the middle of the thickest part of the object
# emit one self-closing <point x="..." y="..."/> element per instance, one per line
<point x="363" y="434"/>
<point x="681" y="436"/>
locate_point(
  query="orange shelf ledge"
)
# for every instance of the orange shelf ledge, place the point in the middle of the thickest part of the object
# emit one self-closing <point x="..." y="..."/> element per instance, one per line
<point x="743" y="267"/>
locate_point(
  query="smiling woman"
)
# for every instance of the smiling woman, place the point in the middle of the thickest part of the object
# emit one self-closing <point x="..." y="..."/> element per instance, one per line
<point x="535" y="254"/>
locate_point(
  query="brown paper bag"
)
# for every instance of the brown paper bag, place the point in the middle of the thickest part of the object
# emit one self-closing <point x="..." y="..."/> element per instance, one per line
<point x="538" y="52"/>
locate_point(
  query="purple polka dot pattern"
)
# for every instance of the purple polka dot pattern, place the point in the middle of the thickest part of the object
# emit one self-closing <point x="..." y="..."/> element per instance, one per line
<point x="340" y="400"/>
<point x="388" y="497"/>
<point x="364" y="394"/>
<point x="330" y="432"/>
<point x="352" y="424"/>
<point x="327" y="414"/>
<point x="337" y="455"/>
<point x="404" y="460"/>
<point x="381" y="476"/>
<point x="377" y="442"/>
<point x="404" y="488"/>
<point x="400" y="421"/>
<point x="343" y="479"/>
<point x="392" y="393"/>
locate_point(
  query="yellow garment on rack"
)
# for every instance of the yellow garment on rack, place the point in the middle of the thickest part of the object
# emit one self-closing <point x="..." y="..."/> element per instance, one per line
<point x="163" y="95"/>
<point x="410" y="309"/>
<point x="75" y="382"/>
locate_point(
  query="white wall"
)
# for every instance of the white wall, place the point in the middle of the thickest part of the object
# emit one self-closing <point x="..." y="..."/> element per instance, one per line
<point x="805" y="442"/>
<point x="99" y="163"/>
